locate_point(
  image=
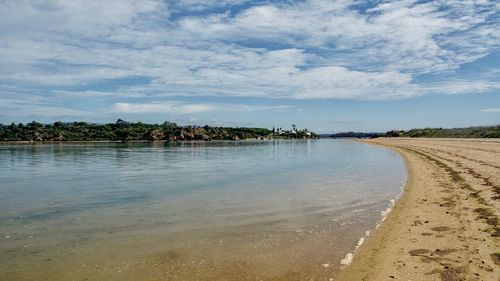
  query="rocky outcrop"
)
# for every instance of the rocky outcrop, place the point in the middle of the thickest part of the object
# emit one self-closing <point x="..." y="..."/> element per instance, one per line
<point x="201" y="134"/>
<point x="155" y="134"/>
<point x="186" y="135"/>
<point x="37" y="137"/>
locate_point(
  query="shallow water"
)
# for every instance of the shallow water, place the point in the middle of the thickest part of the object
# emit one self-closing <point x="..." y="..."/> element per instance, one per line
<point x="248" y="210"/>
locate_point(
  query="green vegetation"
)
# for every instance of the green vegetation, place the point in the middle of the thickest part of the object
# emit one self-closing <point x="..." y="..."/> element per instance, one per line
<point x="125" y="131"/>
<point x="469" y="132"/>
<point x="356" y="135"/>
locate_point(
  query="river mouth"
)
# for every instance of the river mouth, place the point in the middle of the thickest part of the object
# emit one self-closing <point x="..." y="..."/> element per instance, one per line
<point x="285" y="210"/>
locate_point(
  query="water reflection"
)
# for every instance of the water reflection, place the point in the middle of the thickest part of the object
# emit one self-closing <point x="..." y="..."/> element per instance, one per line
<point x="55" y="183"/>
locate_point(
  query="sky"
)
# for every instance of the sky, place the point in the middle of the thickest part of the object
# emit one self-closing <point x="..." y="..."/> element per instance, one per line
<point x="325" y="65"/>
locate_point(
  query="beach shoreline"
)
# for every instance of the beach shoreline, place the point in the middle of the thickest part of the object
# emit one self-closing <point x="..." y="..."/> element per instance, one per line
<point x="444" y="226"/>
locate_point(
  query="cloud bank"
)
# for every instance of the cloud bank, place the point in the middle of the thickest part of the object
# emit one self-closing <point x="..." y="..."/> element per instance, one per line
<point x="159" y="51"/>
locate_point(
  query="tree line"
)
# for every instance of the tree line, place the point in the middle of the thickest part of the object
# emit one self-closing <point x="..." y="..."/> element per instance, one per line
<point x="469" y="132"/>
<point x="126" y="131"/>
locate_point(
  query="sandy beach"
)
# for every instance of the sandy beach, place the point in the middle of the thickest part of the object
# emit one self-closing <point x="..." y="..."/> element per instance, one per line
<point x="445" y="226"/>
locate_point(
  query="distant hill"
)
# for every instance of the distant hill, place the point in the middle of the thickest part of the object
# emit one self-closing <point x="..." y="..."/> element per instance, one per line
<point x="355" y="135"/>
<point x="125" y="131"/>
<point x="469" y="132"/>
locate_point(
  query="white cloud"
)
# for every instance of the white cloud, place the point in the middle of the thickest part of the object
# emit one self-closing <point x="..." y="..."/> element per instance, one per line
<point x="88" y="18"/>
<point x="201" y="5"/>
<point x="12" y="108"/>
<point x="490" y="110"/>
<point x="18" y="102"/>
<point x="314" y="49"/>
<point x="403" y="36"/>
<point x="179" y="108"/>
<point x="462" y="87"/>
<point x="164" y="107"/>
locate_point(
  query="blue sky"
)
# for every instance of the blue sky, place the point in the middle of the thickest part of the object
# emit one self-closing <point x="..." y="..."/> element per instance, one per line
<point x="325" y="65"/>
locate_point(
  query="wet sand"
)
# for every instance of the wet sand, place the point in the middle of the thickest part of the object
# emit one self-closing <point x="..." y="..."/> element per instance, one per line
<point x="445" y="227"/>
<point x="266" y="250"/>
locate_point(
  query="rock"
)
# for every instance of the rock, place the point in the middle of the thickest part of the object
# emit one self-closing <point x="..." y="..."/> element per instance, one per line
<point x="37" y="137"/>
<point x="155" y="134"/>
<point x="188" y="135"/>
<point x="235" y="138"/>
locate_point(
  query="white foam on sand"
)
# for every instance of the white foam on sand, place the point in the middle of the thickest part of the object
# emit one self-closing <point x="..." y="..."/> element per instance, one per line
<point x="386" y="212"/>
<point x="392" y="202"/>
<point x="348" y="258"/>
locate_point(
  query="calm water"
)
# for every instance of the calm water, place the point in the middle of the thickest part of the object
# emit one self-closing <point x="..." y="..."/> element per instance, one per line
<point x="201" y="211"/>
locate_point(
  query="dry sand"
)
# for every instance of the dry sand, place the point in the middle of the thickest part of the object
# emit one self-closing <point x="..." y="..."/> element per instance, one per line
<point x="445" y="227"/>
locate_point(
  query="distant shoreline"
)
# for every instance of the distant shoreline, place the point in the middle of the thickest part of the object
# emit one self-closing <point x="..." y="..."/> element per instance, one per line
<point x="144" y="141"/>
<point x="123" y="131"/>
<point x="467" y="132"/>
